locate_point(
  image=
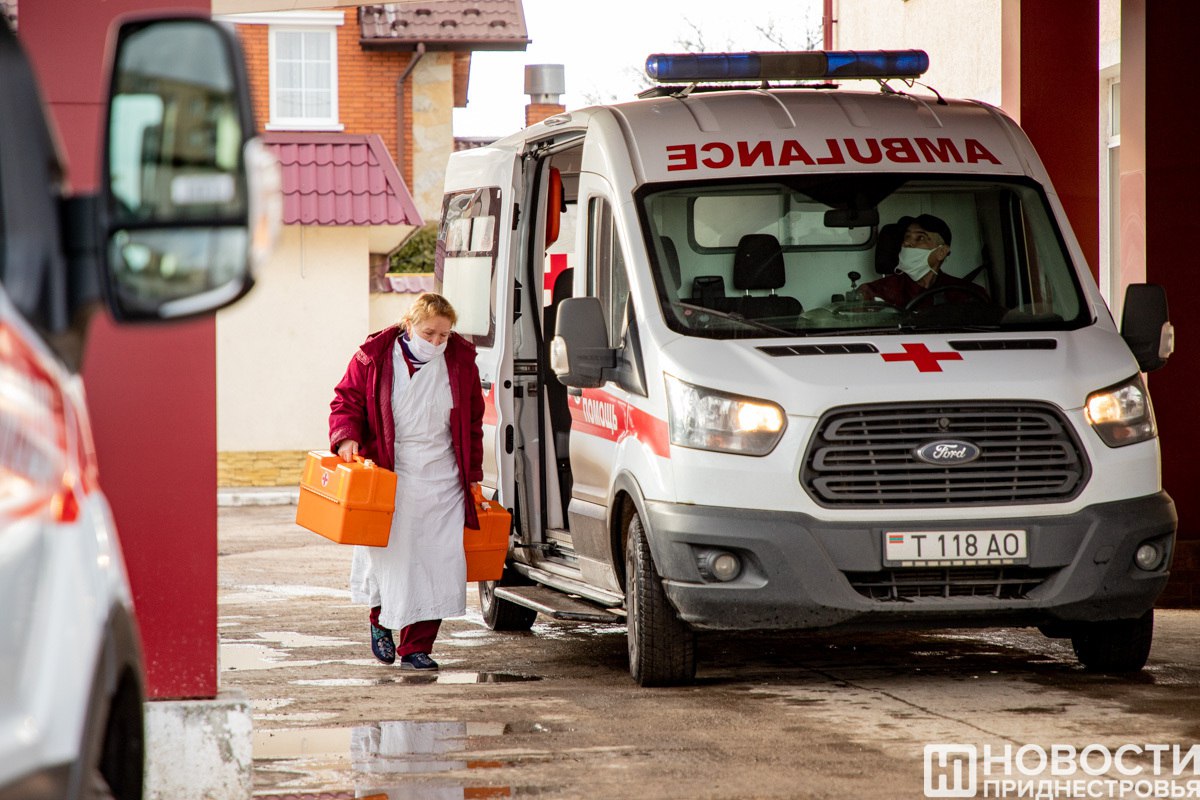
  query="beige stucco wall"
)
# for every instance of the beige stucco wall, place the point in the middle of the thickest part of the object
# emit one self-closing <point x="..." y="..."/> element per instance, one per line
<point x="432" y="129"/>
<point x="1110" y="33"/>
<point x="962" y="38"/>
<point x="388" y="308"/>
<point x="284" y="346"/>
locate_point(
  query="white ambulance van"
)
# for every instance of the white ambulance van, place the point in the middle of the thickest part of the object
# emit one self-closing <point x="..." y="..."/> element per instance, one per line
<point x="716" y="402"/>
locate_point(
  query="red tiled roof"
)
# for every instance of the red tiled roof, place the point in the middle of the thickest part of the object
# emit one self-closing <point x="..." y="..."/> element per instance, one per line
<point x="445" y="25"/>
<point x="340" y="179"/>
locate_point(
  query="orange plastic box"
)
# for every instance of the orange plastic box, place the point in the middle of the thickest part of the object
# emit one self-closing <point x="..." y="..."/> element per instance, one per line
<point x="487" y="547"/>
<point x="348" y="502"/>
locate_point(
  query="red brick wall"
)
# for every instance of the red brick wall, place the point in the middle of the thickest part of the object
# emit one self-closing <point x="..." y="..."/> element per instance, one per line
<point x="536" y="112"/>
<point x="462" y="75"/>
<point x="366" y="86"/>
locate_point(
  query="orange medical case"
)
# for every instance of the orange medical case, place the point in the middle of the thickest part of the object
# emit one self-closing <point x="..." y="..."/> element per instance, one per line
<point x="487" y="547"/>
<point x="348" y="502"/>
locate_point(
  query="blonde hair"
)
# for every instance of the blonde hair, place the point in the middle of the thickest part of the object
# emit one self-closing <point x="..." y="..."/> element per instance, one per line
<point x="427" y="306"/>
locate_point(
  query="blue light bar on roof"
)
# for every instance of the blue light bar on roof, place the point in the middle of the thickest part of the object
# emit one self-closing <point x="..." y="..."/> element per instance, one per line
<point x="796" y="65"/>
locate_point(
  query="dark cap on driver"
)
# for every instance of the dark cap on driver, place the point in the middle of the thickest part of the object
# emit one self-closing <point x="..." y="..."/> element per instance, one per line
<point x="930" y="223"/>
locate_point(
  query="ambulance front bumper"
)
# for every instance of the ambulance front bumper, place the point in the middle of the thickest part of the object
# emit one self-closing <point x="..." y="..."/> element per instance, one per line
<point x="801" y="572"/>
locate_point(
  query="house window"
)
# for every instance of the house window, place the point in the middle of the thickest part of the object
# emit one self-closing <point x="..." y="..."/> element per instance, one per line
<point x="304" y="79"/>
<point x="302" y="52"/>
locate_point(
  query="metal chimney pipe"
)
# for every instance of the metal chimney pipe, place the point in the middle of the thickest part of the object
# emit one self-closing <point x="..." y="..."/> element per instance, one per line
<point x="545" y="83"/>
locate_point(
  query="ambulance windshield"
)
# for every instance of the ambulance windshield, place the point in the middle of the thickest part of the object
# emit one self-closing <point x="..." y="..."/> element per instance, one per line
<point x="855" y="254"/>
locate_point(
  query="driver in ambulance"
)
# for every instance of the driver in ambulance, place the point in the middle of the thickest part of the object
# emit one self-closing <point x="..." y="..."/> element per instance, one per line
<point x="924" y="250"/>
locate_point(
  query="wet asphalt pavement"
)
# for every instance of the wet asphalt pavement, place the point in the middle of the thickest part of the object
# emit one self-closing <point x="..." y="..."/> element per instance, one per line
<point x="554" y="714"/>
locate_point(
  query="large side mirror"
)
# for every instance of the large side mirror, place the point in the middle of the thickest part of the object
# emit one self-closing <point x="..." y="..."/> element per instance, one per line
<point x="190" y="199"/>
<point x="579" y="354"/>
<point x="1145" y="326"/>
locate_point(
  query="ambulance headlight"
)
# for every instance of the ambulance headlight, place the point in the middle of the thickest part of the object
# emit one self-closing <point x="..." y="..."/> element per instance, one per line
<point x="707" y="419"/>
<point x="1122" y="414"/>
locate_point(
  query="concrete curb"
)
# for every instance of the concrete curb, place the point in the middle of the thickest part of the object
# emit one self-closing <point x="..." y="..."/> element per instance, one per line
<point x="229" y="497"/>
<point x="199" y="749"/>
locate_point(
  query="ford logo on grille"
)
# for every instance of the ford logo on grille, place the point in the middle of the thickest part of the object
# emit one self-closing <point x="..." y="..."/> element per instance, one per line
<point x="947" y="452"/>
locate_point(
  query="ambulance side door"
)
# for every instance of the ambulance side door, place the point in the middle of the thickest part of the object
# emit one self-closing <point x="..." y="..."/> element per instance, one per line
<point x="597" y="415"/>
<point x="475" y="269"/>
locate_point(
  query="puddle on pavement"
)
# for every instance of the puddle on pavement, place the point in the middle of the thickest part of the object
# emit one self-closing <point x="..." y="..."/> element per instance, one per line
<point x="375" y="758"/>
<point x="442" y="677"/>
<point x="578" y="630"/>
<point x="244" y="657"/>
<point x="416" y="791"/>
<point x="271" y="703"/>
<point x="292" y="639"/>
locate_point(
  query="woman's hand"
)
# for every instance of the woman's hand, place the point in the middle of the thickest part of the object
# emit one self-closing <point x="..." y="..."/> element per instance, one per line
<point x="348" y="449"/>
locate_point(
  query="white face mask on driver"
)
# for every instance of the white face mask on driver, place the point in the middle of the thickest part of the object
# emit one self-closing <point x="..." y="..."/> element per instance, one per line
<point x="914" y="262"/>
<point x="424" y="350"/>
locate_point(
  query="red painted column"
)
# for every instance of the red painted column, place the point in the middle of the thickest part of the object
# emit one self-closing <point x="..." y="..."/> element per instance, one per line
<point x="1160" y="170"/>
<point x="151" y="389"/>
<point x="1050" y="84"/>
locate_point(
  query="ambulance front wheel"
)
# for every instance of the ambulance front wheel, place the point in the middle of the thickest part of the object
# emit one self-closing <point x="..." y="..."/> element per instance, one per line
<point x="500" y="614"/>
<point x="662" y="648"/>
<point x="1115" y="646"/>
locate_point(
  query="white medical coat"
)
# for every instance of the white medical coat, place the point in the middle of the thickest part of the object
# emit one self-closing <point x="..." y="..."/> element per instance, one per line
<point x="422" y="573"/>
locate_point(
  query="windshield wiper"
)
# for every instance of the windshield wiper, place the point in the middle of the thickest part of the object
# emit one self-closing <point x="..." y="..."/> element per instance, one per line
<point x="751" y="323"/>
<point x="912" y="328"/>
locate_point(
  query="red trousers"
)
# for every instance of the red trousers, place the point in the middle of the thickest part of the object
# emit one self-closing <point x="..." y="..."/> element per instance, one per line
<point x="415" y="638"/>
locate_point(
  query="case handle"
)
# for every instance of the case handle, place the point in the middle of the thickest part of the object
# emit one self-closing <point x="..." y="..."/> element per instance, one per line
<point x="477" y="493"/>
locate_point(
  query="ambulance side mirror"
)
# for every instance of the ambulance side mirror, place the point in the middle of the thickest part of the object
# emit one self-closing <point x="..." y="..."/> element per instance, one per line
<point x="579" y="354"/>
<point x="1145" y="326"/>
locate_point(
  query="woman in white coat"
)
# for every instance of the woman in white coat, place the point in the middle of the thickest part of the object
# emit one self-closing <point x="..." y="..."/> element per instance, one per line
<point x="411" y="398"/>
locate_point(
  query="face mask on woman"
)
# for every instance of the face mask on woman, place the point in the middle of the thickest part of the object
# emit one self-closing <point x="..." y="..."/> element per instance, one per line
<point x="914" y="262"/>
<point x="424" y="350"/>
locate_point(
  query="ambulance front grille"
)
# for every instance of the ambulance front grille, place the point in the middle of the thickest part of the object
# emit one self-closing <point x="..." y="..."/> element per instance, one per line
<point x="999" y="583"/>
<point x="865" y="456"/>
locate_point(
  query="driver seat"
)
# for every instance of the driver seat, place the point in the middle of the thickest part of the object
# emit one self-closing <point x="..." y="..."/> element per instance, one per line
<point x="888" y="242"/>
<point x="758" y="264"/>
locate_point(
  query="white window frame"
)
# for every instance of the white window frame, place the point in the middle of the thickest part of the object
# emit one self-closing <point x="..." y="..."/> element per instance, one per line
<point x="281" y="123"/>
<point x="1112" y="280"/>
<point x="305" y="22"/>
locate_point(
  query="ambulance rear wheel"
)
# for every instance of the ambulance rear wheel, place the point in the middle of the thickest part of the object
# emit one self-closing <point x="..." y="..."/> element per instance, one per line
<point x="1115" y="646"/>
<point x="500" y="614"/>
<point x="662" y="648"/>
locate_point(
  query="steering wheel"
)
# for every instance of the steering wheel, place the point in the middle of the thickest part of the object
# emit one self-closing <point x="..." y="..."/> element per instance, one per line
<point x="978" y="295"/>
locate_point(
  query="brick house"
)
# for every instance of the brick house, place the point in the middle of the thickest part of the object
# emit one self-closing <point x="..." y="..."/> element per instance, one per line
<point x="357" y="103"/>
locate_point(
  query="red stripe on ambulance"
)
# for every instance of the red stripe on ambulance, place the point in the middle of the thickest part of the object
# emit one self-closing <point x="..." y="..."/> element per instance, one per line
<point x="598" y="413"/>
<point x="767" y="153"/>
